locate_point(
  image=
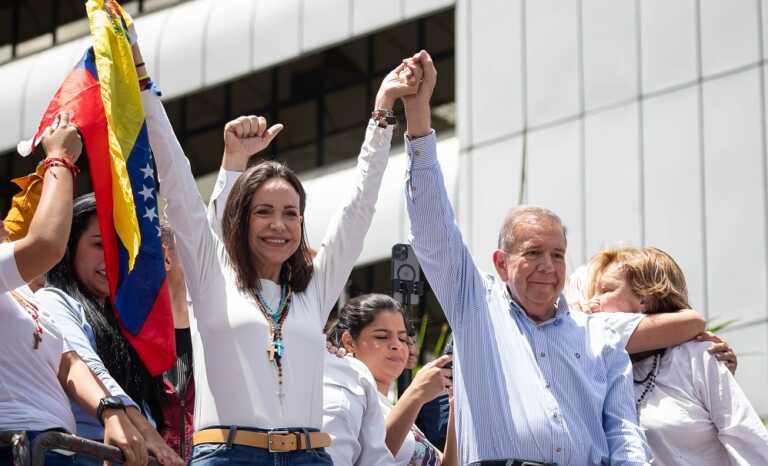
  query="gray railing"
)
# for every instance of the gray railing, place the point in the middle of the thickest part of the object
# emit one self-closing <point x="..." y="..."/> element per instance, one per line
<point x="25" y="454"/>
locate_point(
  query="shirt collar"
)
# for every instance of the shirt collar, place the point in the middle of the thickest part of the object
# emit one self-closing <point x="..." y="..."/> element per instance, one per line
<point x="561" y="306"/>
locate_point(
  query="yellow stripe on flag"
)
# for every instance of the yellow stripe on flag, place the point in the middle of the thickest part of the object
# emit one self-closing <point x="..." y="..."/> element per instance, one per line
<point x="124" y="111"/>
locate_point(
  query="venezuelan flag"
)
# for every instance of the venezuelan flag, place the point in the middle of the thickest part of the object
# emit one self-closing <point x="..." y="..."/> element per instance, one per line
<point x="103" y="93"/>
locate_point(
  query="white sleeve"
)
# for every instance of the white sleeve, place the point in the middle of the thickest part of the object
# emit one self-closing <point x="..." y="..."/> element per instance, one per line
<point x="739" y="427"/>
<point x="623" y="323"/>
<point x="197" y="244"/>
<point x="373" y="432"/>
<point x="343" y="240"/>
<point x="342" y="416"/>
<point x="10" y="278"/>
<point x="352" y="415"/>
<point x="221" y="190"/>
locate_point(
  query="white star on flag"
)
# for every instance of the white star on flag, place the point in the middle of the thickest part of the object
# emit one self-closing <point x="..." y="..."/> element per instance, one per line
<point x="158" y="231"/>
<point x="150" y="214"/>
<point x="146" y="192"/>
<point x="148" y="172"/>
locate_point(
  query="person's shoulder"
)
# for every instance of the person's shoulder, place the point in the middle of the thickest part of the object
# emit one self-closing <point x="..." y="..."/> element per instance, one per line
<point x="691" y="350"/>
<point x="55" y="299"/>
<point x="608" y="330"/>
<point x="346" y="372"/>
<point x="56" y="294"/>
<point x="622" y="324"/>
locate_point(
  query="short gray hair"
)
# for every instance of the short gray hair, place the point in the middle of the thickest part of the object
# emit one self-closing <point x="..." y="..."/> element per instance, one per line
<point x="526" y="214"/>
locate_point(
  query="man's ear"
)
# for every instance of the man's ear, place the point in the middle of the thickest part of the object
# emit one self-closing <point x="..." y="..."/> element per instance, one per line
<point x="348" y="342"/>
<point x="500" y="263"/>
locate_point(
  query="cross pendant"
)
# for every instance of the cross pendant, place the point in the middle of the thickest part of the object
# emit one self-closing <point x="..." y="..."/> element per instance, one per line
<point x="38" y="339"/>
<point x="271" y="351"/>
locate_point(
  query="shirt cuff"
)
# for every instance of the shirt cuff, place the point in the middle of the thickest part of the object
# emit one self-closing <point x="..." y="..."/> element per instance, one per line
<point x="422" y="151"/>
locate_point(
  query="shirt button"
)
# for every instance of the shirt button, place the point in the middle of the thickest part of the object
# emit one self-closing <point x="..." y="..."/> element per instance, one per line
<point x="417" y="152"/>
<point x="546" y="385"/>
<point x="542" y="354"/>
<point x="558" y="450"/>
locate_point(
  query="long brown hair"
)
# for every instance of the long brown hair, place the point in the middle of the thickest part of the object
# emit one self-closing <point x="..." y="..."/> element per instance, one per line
<point x="651" y="274"/>
<point x="297" y="270"/>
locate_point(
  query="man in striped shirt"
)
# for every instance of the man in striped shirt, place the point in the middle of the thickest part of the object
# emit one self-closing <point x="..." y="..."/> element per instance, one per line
<point x="533" y="381"/>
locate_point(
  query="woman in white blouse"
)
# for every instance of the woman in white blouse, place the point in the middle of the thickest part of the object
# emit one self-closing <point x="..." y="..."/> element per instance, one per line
<point x="260" y="303"/>
<point x="372" y="328"/>
<point x="39" y="370"/>
<point x="690" y="405"/>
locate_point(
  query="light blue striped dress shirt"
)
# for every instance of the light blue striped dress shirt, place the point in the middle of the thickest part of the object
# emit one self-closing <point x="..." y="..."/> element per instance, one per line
<point x="559" y="391"/>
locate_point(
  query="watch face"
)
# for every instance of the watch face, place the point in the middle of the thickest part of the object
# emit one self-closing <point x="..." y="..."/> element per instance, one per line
<point x="113" y="402"/>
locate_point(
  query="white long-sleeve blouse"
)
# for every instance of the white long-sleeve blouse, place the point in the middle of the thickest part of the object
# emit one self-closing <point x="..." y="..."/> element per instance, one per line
<point x="696" y="413"/>
<point x="235" y="382"/>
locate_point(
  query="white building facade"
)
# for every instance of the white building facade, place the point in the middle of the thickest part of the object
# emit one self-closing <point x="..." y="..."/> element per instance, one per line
<point x="641" y="122"/>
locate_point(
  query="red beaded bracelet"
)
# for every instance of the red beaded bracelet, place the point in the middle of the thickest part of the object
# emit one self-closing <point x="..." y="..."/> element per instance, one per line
<point x="60" y="162"/>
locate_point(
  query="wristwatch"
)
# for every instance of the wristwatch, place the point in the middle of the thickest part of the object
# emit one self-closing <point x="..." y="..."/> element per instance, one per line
<point x="108" y="402"/>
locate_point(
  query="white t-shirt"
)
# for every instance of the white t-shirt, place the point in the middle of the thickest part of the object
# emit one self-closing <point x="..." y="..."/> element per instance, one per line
<point x="416" y="450"/>
<point x="696" y="414"/>
<point x="31" y="397"/>
<point x="352" y="415"/>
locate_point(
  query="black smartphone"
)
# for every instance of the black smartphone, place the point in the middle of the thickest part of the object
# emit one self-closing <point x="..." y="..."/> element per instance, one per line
<point x="406" y="275"/>
<point x="449" y="350"/>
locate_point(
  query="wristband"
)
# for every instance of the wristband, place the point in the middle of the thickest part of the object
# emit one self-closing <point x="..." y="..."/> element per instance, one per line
<point x="384" y="117"/>
<point x="60" y="162"/>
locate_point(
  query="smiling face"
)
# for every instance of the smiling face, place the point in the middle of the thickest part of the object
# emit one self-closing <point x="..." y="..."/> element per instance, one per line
<point x="274" y="229"/>
<point x="534" y="267"/>
<point x="614" y="292"/>
<point x="89" y="261"/>
<point x="382" y="345"/>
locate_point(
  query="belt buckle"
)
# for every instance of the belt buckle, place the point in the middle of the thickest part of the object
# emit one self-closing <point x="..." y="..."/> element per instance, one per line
<point x="269" y="440"/>
<point x="529" y="463"/>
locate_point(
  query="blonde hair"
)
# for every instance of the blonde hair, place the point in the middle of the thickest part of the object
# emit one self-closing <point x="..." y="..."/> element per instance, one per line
<point x="651" y="274"/>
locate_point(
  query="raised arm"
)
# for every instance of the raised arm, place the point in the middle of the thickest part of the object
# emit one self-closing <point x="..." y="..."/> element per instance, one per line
<point x="197" y="245"/>
<point x="45" y="243"/>
<point x="343" y="240"/>
<point x="435" y="236"/>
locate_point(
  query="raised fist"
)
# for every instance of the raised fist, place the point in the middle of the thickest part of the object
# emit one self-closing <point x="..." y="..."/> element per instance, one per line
<point x="61" y="139"/>
<point x="244" y="137"/>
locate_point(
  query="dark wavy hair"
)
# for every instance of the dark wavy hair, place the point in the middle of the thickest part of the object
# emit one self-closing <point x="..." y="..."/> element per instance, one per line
<point x="118" y="356"/>
<point x="297" y="270"/>
<point x="360" y="312"/>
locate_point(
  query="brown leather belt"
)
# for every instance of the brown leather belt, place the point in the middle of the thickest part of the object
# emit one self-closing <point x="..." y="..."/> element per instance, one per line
<point x="274" y="441"/>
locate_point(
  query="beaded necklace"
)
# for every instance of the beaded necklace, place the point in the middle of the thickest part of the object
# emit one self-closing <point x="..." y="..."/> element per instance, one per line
<point x="650" y="379"/>
<point x="32" y="310"/>
<point x="275" y="319"/>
